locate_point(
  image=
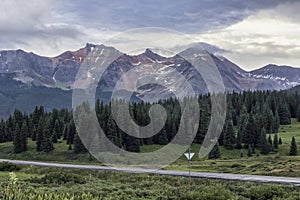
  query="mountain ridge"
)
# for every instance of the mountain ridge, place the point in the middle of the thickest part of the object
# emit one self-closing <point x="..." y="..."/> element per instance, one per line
<point x="57" y="74"/>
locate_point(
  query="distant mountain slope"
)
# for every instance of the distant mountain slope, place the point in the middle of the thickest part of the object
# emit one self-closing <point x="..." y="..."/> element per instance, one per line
<point x="294" y="89"/>
<point x="15" y="94"/>
<point x="28" y="79"/>
<point x="284" y="76"/>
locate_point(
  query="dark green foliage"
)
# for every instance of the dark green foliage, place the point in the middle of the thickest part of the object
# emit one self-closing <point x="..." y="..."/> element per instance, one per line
<point x="275" y="142"/>
<point x="265" y="146"/>
<point x="112" y="131"/>
<point x="247" y="114"/>
<point x="78" y="146"/>
<point x="47" y="144"/>
<point x="119" y="186"/>
<point x="18" y="118"/>
<point x="276" y="122"/>
<point x="57" y="131"/>
<point x="250" y="151"/>
<point x="215" y="152"/>
<point x="268" y="119"/>
<point x="132" y="144"/>
<point x="54" y="136"/>
<point x="17" y="139"/>
<point x="23" y="136"/>
<point x="40" y="135"/>
<point x="280" y="141"/>
<point x="229" y="135"/>
<point x="284" y="114"/>
<point x="33" y="134"/>
<point x="249" y="131"/>
<point x="2" y="131"/>
<point x="293" y="148"/>
<point x="8" y="167"/>
<point x="162" y="139"/>
<point x="270" y="141"/>
<point x="20" y="137"/>
<point x="238" y="141"/>
<point x="71" y="132"/>
<point x="298" y="113"/>
<point x="203" y="124"/>
<point x="59" y="178"/>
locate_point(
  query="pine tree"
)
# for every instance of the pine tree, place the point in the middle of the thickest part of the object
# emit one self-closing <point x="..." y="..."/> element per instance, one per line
<point x="162" y="138"/>
<point x="33" y="134"/>
<point x="35" y="117"/>
<point x="229" y="136"/>
<point x="65" y="132"/>
<point x="284" y="114"/>
<point x="249" y="131"/>
<point x="71" y="133"/>
<point x="280" y="141"/>
<point x="78" y="146"/>
<point x="17" y="139"/>
<point x="23" y="136"/>
<point x="241" y="154"/>
<point x="270" y="141"/>
<point x="249" y="153"/>
<point x="238" y="140"/>
<point x="47" y="144"/>
<point x="18" y="118"/>
<point x="293" y="148"/>
<point x="2" y="131"/>
<point x="132" y="143"/>
<point x="298" y="113"/>
<point x="265" y="147"/>
<point x="215" y="152"/>
<point x="112" y="131"/>
<point x="276" y="122"/>
<point x="54" y="136"/>
<point x="269" y="124"/>
<point x="275" y="142"/>
<point x="57" y="130"/>
<point x="40" y="135"/>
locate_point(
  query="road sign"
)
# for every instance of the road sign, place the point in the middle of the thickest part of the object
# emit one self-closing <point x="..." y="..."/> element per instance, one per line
<point x="189" y="156"/>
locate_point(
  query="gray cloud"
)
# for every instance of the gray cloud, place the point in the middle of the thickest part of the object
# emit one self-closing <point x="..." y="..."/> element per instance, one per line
<point x="49" y="27"/>
<point x="23" y="23"/>
<point x="186" y="16"/>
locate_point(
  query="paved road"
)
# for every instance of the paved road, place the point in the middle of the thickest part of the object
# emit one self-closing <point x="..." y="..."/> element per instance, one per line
<point x="239" y="177"/>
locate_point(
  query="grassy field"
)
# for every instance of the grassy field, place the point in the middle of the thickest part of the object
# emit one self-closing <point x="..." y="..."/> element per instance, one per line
<point x="59" y="154"/>
<point x="277" y="163"/>
<point x="54" y="183"/>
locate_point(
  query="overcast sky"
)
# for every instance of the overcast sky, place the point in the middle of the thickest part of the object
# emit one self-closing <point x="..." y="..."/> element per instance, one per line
<point x="253" y="33"/>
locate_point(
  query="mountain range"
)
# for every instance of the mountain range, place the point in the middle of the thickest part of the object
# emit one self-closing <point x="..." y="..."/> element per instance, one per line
<point x="28" y="79"/>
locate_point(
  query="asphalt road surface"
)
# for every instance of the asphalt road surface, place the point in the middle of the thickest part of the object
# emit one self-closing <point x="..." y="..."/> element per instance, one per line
<point x="225" y="176"/>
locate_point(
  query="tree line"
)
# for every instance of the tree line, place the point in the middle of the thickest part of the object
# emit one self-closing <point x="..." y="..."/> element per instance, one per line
<point x="251" y="115"/>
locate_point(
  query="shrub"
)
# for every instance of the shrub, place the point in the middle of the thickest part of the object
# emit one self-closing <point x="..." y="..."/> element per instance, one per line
<point x="59" y="178"/>
<point x="8" y="167"/>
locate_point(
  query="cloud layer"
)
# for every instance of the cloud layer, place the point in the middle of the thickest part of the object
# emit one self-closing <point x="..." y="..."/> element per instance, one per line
<point x="268" y="30"/>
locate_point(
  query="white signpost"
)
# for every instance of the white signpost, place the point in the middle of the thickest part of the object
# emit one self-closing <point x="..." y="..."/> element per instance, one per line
<point x="189" y="157"/>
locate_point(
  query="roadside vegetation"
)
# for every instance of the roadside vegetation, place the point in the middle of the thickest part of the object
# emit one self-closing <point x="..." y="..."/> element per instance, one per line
<point x="30" y="182"/>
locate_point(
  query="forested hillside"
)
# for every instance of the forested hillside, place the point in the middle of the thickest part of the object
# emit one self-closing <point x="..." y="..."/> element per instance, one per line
<point x="250" y="116"/>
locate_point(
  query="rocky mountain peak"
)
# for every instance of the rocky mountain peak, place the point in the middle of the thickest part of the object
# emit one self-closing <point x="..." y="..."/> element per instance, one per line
<point x="150" y="54"/>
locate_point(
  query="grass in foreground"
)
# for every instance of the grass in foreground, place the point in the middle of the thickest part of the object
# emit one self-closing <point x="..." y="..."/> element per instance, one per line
<point x="55" y="183"/>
